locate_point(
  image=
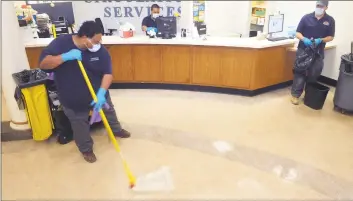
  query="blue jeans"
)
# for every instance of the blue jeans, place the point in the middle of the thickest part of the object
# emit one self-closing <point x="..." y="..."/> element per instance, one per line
<point x="311" y="75"/>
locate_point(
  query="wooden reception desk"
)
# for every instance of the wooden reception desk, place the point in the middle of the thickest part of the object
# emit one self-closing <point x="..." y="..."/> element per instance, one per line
<point x="243" y="64"/>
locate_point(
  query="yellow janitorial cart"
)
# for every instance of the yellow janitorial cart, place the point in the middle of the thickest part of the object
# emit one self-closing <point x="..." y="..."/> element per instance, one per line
<point x="34" y="95"/>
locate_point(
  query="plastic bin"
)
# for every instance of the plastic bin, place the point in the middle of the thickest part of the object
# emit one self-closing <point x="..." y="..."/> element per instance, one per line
<point x="35" y="96"/>
<point x="343" y="98"/>
<point x="315" y="95"/>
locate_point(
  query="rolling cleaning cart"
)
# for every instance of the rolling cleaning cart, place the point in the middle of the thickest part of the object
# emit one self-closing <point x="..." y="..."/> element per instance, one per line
<point x="343" y="98"/>
<point x="31" y="84"/>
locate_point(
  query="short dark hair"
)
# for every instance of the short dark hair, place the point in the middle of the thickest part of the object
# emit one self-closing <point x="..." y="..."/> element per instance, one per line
<point x="89" y="29"/>
<point x="154" y="6"/>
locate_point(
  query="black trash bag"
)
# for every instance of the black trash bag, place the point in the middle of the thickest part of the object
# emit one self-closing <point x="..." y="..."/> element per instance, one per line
<point x="19" y="99"/>
<point x="24" y="79"/>
<point x="305" y="59"/>
<point x="347" y="63"/>
<point x="27" y="76"/>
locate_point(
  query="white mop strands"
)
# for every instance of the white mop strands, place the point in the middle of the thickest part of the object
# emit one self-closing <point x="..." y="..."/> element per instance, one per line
<point x="159" y="180"/>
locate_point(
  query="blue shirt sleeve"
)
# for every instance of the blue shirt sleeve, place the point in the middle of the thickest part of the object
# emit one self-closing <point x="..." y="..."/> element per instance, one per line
<point x="51" y="49"/>
<point x="332" y="28"/>
<point x="106" y="62"/>
<point x="145" y="22"/>
<point x="301" y="25"/>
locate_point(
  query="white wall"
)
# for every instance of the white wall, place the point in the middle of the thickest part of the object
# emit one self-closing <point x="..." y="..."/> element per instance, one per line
<point x="19" y="3"/>
<point x="186" y="20"/>
<point x="113" y="12"/>
<point x="13" y="60"/>
<point x="343" y="15"/>
<point x="229" y="17"/>
<point x="225" y="18"/>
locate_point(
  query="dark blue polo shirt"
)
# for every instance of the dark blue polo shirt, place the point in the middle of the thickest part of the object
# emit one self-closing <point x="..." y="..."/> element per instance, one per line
<point x="149" y="22"/>
<point x="311" y="27"/>
<point x="72" y="88"/>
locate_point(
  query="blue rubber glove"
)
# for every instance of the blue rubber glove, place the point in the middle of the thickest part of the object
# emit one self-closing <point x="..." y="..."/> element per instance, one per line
<point x="318" y="41"/>
<point x="73" y="54"/>
<point x="100" y="100"/>
<point x="151" y="29"/>
<point x="307" y="42"/>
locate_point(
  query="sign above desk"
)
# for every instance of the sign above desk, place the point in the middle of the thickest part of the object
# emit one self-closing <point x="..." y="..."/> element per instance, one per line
<point x="113" y="12"/>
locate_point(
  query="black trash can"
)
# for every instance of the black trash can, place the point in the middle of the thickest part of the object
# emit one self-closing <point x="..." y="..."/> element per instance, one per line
<point x="343" y="98"/>
<point x="315" y="95"/>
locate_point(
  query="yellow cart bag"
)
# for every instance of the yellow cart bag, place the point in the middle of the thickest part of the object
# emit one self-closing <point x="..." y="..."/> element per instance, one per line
<point x="36" y="99"/>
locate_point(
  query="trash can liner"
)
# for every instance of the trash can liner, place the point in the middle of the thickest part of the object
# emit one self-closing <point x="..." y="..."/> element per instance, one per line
<point x="19" y="99"/>
<point x="28" y="78"/>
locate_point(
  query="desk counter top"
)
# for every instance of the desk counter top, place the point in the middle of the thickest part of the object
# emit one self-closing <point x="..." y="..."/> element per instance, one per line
<point x="329" y="45"/>
<point x="211" y="41"/>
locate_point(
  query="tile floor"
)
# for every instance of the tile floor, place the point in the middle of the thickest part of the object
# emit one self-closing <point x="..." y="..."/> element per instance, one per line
<point x="275" y="151"/>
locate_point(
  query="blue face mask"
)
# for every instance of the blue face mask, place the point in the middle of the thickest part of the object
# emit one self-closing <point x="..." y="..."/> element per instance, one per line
<point x="319" y="11"/>
<point x="155" y="15"/>
<point x="95" y="47"/>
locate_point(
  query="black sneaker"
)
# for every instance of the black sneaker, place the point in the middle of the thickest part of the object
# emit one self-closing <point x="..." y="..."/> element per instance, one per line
<point x="123" y="134"/>
<point x="62" y="139"/>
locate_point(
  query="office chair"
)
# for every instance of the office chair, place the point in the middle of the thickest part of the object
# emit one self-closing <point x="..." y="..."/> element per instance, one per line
<point x="99" y="22"/>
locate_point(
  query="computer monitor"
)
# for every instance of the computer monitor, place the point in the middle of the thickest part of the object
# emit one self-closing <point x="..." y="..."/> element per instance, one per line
<point x="167" y="27"/>
<point x="275" y="23"/>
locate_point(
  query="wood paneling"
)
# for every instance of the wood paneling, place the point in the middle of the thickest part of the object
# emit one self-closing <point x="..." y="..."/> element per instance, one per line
<point x="122" y="63"/>
<point x="33" y="55"/>
<point x="288" y="69"/>
<point x="241" y="68"/>
<point x="236" y="65"/>
<point x="206" y="66"/>
<point x="269" y="67"/>
<point x="146" y="61"/>
<point x="176" y="64"/>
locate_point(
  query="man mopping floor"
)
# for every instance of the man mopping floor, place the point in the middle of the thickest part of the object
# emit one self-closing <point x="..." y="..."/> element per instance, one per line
<point x="61" y="57"/>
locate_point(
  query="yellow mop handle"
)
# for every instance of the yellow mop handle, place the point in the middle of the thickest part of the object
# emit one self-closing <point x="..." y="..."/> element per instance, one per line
<point x="54" y="30"/>
<point x="128" y="172"/>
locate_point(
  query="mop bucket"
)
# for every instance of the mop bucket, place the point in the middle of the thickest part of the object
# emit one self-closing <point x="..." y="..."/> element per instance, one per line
<point x="35" y="96"/>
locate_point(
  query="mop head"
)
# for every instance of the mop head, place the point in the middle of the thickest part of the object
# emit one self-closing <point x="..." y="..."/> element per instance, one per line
<point x="159" y="180"/>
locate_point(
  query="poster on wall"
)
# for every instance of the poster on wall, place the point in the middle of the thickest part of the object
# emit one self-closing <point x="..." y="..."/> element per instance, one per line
<point x="199" y="11"/>
<point x="113" y="12"/>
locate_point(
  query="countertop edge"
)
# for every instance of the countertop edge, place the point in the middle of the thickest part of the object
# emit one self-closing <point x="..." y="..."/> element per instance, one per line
<point x="219" y="42"/>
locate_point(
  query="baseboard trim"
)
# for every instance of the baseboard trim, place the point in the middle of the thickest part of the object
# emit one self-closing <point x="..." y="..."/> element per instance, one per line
<point x="328" y="81"/>
<point x="182" y="87"/>
<point x="9" y="134"/>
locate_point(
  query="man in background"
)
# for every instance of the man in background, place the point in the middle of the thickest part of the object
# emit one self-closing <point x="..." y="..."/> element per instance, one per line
<point x="149" y="22"/>
<point x="319" y="28"/>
